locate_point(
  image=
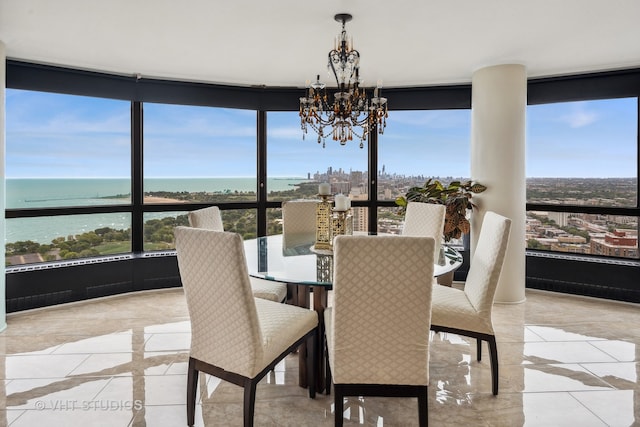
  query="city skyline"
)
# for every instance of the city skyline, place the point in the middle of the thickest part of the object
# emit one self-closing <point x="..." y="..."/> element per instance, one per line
<point x="51" y="135"/>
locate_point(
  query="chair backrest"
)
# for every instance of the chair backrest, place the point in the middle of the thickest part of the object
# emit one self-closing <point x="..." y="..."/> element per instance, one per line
<point x="425" y="220"/>
<point x="486" y="263"/>
<point x="224" y="322"/>
<point x="298" y="222"/>
<point x="381" y="309"/>
<point x="208" y="218"/>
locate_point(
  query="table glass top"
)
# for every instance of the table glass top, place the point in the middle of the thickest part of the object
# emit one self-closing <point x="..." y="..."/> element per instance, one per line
<point x="268" y="259"/>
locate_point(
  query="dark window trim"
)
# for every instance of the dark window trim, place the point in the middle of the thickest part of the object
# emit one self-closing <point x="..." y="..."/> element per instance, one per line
<point x="629" y="211"/>
<point x="154" y="272"/>
<point x="41" y="77"/>
<point x="56" y="79"/>
<point x="589" y="87"/>
<point x="582" y="87"/>
<point x="49" y="78"/>
<point x="137" y="177"/>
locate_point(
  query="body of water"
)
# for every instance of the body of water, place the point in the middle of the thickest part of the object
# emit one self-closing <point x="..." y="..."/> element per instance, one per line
<point x="62" y="192"/>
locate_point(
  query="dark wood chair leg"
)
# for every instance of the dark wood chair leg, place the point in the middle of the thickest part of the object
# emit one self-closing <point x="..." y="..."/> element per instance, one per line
<point x="302" y="295"/>
<point x="493" y="355"/>
<point x="423" y="407"/>
<point x="327" y="370"/>
<point x="312" y="365"/>
<point x="319" y="305"/>
<point x="249" y="402"/>
<point x="493" y="349"/>
<point x="192" y="385"/>
<point x="338" y="403"/>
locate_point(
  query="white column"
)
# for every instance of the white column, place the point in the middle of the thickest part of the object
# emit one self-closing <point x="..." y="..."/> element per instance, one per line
<point x="3" y="132"/>
<point x="498" y="110"/>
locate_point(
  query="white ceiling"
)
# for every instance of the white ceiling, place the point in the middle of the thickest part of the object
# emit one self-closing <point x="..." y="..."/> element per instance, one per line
<point x="286" y="42"/>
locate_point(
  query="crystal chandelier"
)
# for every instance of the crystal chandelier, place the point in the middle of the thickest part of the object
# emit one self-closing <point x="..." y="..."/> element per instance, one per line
<point x="350" y="108"/>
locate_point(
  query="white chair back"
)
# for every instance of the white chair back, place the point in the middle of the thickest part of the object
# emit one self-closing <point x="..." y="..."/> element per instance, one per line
<point x="381" y="310"/>
<point x="211" y="219"/>
<point x="425" y="220"/>
<point x="225" y="331"/>
<point x="486" y="264"/>
<point x="208" y="218"/>
<point x="298" y="222"/>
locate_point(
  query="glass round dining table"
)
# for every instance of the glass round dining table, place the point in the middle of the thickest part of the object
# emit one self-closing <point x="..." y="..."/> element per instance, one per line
<point x="267" y="258"/>
<point x="308" y="272"/>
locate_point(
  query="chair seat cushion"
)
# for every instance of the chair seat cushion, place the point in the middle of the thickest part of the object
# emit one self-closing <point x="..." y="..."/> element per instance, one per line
<point x="268" y="289"/>
<point x="450" y="307"/>
<point x="281" y="326"/>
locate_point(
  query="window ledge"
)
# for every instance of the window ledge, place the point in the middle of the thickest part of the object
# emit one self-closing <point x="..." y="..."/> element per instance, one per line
<point x="582" y="258"/>
<point x="171" y="253"/>
<point x="69" y="263"/>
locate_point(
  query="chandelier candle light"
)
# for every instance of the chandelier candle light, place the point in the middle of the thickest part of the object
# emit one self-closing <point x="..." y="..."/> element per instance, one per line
<point x="350" y="108"/>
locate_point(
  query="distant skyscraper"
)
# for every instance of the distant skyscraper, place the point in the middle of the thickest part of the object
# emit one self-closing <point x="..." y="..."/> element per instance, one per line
<point x="356" y="178"/>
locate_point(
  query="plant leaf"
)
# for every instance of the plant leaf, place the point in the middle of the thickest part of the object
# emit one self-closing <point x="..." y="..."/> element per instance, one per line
<point x="477" y="188"/>
<point x="401" y="201"/>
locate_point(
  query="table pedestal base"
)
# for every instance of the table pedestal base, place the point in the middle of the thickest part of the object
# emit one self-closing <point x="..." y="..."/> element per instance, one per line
<point x="300" y="295"/>
<point x="446" y="279"/>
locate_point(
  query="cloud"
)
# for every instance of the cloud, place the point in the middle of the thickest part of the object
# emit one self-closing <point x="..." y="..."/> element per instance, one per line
<point x="288" y="132"/>
<point x="580" y="116"/>
<point x="189" y="121"/>
<point x="431" y="119"/>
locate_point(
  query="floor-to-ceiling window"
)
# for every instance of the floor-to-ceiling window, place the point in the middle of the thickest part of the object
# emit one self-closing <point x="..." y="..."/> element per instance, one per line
<point x="417" y="146"/>
<point x="296" y="166"/>
<point x="63" y="153"/>
<point x="582" y="160"/>
<point x="195" y="154"/>
<point x="142" y="154"/>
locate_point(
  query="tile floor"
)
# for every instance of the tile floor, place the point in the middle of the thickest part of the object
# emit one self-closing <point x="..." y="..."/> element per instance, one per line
<point x="121" y="361"/>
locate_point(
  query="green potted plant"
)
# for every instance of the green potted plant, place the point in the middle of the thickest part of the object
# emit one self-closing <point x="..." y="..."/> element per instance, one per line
<point x="456" y="197"/>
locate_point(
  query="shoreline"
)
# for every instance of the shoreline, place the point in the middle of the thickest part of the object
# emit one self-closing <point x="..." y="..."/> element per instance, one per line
<point x="155" y="199"/>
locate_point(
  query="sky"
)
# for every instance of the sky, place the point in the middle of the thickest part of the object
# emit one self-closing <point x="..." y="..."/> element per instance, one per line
<point x="53" y="135"/>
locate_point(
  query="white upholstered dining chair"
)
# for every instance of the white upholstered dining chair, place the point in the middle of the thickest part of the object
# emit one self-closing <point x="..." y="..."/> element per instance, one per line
<point x="468" y="311"/>
<point x="298" y="222"/>
<point x="425" y="220"/>
<point x="210" y="218"/>
<point x="377" y="331"/>
<point x="234" y="336"/>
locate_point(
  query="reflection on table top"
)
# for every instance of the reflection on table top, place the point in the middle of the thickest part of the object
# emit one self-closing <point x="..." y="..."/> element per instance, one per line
<point x="267" y="259"/>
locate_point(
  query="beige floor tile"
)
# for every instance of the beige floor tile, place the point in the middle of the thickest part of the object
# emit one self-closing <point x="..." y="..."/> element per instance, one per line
<point x="623" y="376"/>
<point x="556" y="409"/>
<point x="614" y="407"/>
<point x="42" y="365"/>
<point x="564" y="352"/>
<point x="178" y="341"/>
<point x="111" y="343"/>
<point x="76" y="417"/>
<point x="122" y="361"/>
<point x="107" y="364"/>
